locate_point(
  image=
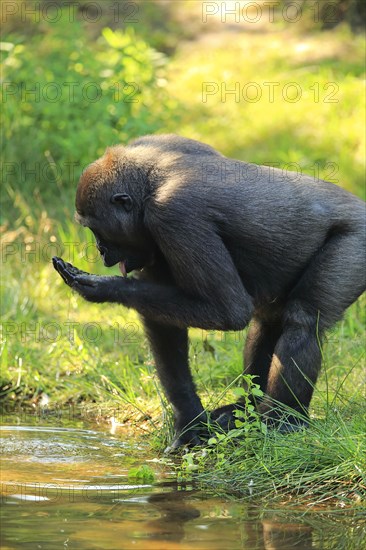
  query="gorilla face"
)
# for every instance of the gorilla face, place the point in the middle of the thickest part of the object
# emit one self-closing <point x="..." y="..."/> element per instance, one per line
<point x="120" y="235"/>
<point x="112" y="208"/>
<point x="129" y="258"/>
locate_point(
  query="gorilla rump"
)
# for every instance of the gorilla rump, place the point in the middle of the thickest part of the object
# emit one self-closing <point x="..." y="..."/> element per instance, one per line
<point x="217" y="243"/>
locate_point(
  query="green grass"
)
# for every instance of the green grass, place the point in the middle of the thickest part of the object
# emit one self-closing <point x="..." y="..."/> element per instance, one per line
<point x="322" y="132"/>
<point x="57" y="350"/>
<point x="324" y="465"/>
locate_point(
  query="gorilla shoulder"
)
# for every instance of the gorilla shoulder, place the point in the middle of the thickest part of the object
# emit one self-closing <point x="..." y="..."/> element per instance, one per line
<point x="171" y="143"/>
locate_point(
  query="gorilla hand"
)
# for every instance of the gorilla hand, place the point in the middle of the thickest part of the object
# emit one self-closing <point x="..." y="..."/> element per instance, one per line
<point x="94" y="288"/>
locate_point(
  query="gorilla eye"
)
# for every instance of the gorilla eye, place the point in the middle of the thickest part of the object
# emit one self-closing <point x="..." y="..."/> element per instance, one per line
<point x="123" y="199"/>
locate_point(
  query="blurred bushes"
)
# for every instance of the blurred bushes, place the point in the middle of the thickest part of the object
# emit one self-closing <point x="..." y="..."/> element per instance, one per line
<point x="352" y="12"/>
<point x="325" y="14"/>
<point x="163" y="24"/>
<point x="67" y="97"/>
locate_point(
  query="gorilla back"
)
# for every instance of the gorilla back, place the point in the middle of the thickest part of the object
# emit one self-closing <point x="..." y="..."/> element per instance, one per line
<point x="217" y="243"/>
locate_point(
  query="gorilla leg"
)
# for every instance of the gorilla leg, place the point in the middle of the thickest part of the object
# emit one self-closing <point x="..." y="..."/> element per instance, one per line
<point x="259" y="347"/>
<point x="294" y="367"/>
<point x="333" y="280"/>
<point x="170" y="349"/>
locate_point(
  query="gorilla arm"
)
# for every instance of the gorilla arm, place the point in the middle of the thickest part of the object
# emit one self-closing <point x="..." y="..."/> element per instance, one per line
<point x="206" y="291"/>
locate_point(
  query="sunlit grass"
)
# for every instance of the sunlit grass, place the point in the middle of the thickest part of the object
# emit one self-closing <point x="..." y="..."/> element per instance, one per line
<point x="324" y="465"/>
<point x="278" y="99"/>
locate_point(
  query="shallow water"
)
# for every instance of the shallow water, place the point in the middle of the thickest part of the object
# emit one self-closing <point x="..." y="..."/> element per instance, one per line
<point x="69" y="488"/>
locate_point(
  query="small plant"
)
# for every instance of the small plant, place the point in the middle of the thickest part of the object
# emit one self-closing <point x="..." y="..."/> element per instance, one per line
<point x="248" y="429"/>
<point x="142" y="473"/>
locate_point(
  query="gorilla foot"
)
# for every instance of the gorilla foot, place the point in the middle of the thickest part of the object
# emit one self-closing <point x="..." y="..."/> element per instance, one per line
<point x="191" y="434"/>
<point x="225" y="416"/>
<point x="285" y="422"/>
<point x="192" y="438"/>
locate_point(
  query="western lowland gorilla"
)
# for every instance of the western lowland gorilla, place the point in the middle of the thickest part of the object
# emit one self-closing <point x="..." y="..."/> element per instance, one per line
<point x="217" y="243"/>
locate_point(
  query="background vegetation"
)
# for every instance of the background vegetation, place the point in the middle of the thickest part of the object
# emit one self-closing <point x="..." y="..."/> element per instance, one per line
<point x="76" y="81"/>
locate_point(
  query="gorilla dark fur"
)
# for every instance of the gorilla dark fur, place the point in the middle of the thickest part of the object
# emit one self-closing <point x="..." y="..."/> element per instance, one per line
<point x="219" y="243"/>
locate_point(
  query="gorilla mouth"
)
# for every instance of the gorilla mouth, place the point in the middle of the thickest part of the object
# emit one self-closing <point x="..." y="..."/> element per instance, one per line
<point x="133" y="262"/>
<point x="126" y="266"/>
<point x="122" y="268"/>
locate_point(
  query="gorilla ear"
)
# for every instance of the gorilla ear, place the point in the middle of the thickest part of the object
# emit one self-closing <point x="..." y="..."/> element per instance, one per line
<point x="124" y="199"/>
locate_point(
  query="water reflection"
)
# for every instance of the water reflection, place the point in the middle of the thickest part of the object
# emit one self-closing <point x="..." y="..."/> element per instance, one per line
<point x="70" y="489"/>
<point x="176" y="510"/>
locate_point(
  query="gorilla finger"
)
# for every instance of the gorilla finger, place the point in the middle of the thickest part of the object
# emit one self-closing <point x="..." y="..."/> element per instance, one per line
<point x="65" y="267"/>
<point x="65" y="275"/>
<point x="76" y="271"/>
<point x="62" y="268"/>
<point x="73" y="270"/>
<point x="65" y="278"/>
<point x="58" y="263"/>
